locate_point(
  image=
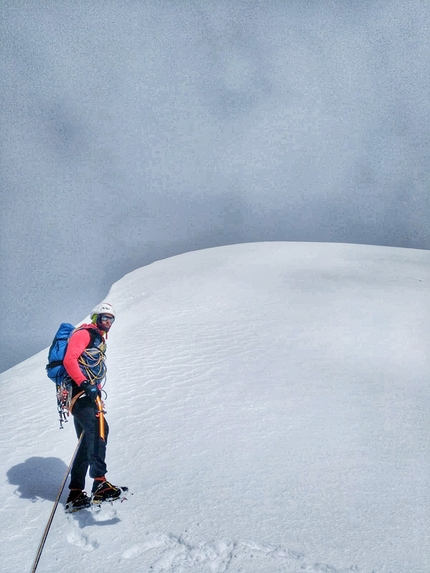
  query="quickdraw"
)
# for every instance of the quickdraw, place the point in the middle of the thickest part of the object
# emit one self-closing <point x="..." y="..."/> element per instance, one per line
<point x="63" y="402"/>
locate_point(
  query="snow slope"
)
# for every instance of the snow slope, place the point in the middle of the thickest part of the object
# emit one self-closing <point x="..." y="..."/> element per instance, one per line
<point x="269" y="408"/>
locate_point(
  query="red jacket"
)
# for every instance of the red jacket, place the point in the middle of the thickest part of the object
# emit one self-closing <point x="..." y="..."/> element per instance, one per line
<point x="77" y="344"/>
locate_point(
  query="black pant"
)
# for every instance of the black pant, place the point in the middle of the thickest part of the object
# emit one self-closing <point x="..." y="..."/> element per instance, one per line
<point x="92" y="451"/>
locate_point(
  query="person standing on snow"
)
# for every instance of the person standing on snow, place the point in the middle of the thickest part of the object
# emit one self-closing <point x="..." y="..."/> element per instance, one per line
<point x="84" y="363"/>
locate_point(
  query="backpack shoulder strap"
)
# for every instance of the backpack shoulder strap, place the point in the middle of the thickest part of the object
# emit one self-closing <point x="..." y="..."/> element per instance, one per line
<point x="93" y="335"/>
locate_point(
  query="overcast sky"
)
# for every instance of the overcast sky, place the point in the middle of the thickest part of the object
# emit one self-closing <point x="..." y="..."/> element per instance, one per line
<point x="132" y="131"/>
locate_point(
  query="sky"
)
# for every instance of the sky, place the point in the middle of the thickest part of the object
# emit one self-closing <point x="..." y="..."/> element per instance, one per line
<point x="134" y="131"/>
<point x="268" y="409"/>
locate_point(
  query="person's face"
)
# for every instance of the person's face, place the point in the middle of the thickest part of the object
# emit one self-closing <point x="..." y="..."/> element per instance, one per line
<point x="105" y="321"/>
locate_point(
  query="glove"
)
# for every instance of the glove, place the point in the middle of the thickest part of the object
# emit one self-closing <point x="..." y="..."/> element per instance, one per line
<point x="90" y="390"/>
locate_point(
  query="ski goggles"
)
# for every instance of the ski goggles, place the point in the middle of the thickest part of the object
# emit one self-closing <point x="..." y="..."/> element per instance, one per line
<point x="106" y="318"/>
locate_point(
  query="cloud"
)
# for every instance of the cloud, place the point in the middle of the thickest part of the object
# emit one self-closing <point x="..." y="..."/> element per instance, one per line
<point x="134" y="133"/>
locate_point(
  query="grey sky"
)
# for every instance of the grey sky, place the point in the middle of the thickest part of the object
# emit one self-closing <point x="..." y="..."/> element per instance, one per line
<point x="133" y="131"/>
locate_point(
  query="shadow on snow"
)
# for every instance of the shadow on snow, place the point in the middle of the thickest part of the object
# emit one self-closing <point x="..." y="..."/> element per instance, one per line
<point x="38" y="478"/>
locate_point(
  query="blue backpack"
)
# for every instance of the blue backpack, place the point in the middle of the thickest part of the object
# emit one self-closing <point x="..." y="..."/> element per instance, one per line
<point x="55" y="369"/>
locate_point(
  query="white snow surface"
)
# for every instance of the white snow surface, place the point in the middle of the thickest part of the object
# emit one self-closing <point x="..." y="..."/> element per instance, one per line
<point x="268" y="407"/>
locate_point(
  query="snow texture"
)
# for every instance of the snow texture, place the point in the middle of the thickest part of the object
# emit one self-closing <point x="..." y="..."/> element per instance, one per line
<point x="269" y="410"/>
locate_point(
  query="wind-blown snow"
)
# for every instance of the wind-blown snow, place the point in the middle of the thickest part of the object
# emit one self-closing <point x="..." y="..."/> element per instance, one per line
<point x="269" y="409"/>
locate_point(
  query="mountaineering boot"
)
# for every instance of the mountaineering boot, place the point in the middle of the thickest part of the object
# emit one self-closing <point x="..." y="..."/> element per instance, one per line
<point x="77" y="500"/>
<point x="105" y="491"/>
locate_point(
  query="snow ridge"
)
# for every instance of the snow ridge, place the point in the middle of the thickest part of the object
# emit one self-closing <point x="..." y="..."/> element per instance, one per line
<point x="269" y="410"/>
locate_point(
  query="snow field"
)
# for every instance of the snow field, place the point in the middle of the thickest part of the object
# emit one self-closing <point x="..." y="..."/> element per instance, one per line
<point x="268" y="406"/>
